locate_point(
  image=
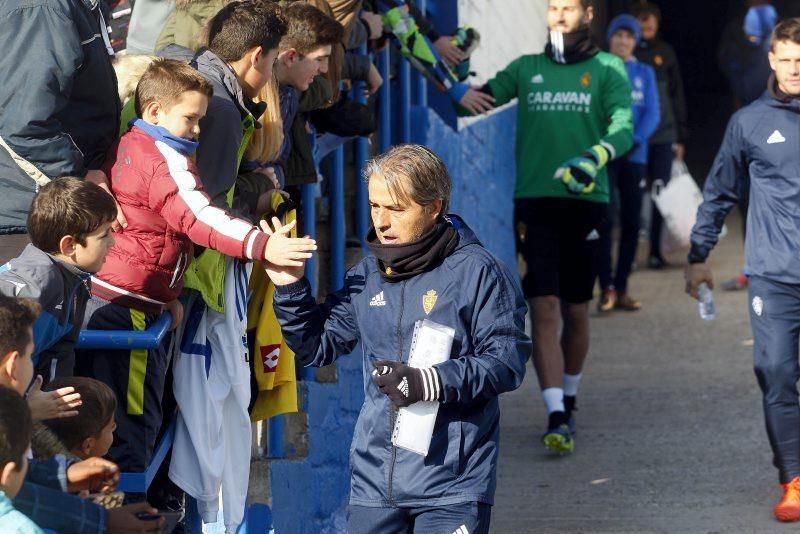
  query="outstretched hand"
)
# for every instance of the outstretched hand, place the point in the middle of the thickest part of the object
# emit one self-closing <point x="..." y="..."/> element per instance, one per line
<point x="477" y="102"/>
<point x="62" y="402"/>
<point x="295" y="251"/>
<point x="452" y="54"/>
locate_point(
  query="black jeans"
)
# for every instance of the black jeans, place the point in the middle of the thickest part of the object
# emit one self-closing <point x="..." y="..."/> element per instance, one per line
<point x="659" y="167"/>
<point x="628" y="178"/>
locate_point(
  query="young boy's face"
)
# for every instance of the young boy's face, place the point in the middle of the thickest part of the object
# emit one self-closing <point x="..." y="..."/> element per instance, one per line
<point x="17" y="373"/>
<point x="91" y="256"/>
<point x="13" y="475"/>
<point x="303" y="71"/>
<point x="182" y="119"/>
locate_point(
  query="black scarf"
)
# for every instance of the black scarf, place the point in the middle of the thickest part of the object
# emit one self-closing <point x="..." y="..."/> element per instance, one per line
<point x="776" y="93"/>
<point x="573" y="47"/>
<point x="400" y="262"/>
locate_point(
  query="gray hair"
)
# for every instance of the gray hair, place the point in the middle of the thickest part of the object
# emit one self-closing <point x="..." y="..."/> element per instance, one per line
<point x="412" y="171"/>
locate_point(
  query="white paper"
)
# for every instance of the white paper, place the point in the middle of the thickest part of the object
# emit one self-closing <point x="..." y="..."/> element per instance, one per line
<point x="413" y="428"/>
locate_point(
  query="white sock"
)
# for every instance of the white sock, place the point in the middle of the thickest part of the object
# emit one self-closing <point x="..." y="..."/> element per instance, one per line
<point x="553" y="399"/>
<point x="571" y="384"/>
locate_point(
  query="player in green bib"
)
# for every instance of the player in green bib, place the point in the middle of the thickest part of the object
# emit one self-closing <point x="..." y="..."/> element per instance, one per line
<point x="574" y="116"/>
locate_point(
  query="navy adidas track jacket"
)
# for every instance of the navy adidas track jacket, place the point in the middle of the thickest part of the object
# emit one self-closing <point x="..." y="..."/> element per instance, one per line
<point x="472" y="292"/>
<point x="761" y="144"/>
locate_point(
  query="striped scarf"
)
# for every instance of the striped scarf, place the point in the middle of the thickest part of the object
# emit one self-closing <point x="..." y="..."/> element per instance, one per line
<point x="574" y="47"/>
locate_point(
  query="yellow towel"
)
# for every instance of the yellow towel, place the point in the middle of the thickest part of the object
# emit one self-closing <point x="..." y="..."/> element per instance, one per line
<point x="273" y="361"/>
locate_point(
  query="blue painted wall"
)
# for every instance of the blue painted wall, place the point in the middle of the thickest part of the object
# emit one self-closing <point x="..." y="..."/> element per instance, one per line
<point x="309" y="496"/>
<point x="481" y="163"/>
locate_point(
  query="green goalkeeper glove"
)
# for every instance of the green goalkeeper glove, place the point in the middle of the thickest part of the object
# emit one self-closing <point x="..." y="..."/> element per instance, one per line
<point x="579" y="174"/>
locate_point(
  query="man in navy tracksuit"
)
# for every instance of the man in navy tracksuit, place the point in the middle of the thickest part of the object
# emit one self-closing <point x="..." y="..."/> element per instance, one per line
<point x="424" y="266"/>
<point x="761" y="145"/>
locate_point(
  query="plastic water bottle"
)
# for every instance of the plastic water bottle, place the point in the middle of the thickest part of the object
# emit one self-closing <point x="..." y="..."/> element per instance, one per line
<point x="705" y="304"/>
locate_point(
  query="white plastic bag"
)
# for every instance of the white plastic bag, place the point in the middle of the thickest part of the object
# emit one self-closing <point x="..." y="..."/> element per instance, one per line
<point x="678" y="202"/>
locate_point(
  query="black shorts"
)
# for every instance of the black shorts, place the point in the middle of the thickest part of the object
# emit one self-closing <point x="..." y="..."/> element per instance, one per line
<point x="559" y="238"/>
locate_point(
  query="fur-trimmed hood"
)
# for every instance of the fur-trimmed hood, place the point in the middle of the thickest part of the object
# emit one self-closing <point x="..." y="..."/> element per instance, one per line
<point x="45" y="444"/>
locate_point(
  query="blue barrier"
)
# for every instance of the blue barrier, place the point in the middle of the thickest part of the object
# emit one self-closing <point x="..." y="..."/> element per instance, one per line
<point x="385" y="102"/>
<point x="336" y="218"/>
<point x="126" y="339"/>
<point x="139" y="482"/>
<point x="404" y="84"/>
<point x="130" y="340"/>
<point x="309" y="222"/>
<point x="275" y="448"/>
<point x="360" y="158"/>
<point x="308" y="193"/>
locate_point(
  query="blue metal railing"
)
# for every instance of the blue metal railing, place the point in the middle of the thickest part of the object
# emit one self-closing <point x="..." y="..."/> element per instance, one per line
<point x="384" y="101"/>
<point x="140" y="482"/>
<point x="126" y="339"/>
<point x="309" y="203"/>
<point x="129" y="340"/>
<point x="360" y="158"/>
<point x="336" y="218"/>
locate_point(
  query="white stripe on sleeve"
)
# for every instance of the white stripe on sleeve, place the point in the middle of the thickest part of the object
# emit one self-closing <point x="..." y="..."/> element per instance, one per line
<point x="197" y="201"/>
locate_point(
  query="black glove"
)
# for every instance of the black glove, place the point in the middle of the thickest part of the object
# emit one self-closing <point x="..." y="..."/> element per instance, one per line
<point x="406" y="385"/>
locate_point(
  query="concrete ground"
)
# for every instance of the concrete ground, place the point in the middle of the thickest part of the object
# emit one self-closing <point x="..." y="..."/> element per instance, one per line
<point x="670" y="429"/>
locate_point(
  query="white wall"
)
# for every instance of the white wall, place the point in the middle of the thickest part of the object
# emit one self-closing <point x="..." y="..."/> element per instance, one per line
<point x="508" y="28"/>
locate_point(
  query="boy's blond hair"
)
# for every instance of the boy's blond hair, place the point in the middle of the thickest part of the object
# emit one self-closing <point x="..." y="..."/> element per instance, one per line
<point x="165" y="81"/>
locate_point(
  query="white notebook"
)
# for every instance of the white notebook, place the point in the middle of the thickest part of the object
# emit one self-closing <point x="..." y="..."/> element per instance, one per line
<point x="413" y="428"/>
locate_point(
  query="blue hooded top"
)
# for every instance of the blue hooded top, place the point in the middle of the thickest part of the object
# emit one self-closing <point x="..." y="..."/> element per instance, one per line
<point x="645" y="103"/>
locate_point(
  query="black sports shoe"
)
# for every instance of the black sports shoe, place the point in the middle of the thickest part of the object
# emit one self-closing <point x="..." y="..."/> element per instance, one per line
<point x="558" y="438"/>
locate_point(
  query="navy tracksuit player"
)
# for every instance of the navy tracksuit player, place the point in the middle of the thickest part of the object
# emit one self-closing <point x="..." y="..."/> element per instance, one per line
<point x="762" y="144"/>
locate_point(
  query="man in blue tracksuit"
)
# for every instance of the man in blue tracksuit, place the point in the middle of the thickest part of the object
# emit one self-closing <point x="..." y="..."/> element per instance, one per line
<point x="761" y="145"/>
<point x="627" y="173"/>
<point x="424" y="266"/>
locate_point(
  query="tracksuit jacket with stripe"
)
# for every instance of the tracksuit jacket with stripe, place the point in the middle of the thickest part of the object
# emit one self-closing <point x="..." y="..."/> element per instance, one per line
<point x="156" y="183"/>
<point x="470" y="291"/>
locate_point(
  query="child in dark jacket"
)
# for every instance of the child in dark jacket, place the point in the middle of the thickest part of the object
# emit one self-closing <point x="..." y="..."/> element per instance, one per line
<point x="155" y="181"/>
<point x="70" y="230"/>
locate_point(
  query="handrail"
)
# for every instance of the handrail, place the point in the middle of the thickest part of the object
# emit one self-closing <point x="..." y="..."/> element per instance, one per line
<point x="140" y="482"/>
<point x="130" y="340"/>
<point x="404" y="83"/>
<point x="336" y="218"/>
<point x="385" y="101"/>
<point x="126" y="339"/>
<point x="360" y="158"/>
